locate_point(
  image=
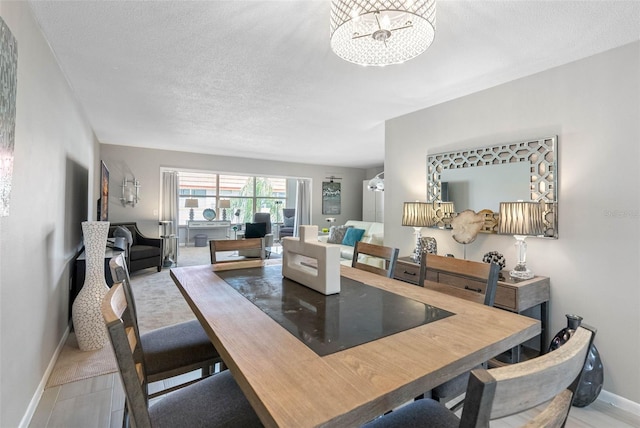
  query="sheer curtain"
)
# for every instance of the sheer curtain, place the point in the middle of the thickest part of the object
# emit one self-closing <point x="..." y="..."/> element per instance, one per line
<point x="303" y="204"/>
<point x="170" y="209"/>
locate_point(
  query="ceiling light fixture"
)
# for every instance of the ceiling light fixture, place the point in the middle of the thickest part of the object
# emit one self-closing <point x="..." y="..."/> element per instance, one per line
<point x="381" y="32"/>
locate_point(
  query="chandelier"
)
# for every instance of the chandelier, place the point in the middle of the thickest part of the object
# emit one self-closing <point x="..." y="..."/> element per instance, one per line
<point x="381" y="32"/>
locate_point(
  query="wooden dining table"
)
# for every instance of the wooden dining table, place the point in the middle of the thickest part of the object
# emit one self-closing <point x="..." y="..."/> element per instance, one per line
<point x="289" y="384"/>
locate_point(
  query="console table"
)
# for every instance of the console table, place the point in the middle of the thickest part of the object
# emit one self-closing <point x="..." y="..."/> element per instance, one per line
<point x="513" y="295"/>
<point x="214" y="229"/>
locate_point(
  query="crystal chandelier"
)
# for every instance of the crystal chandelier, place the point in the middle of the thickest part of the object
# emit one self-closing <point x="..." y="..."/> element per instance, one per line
<point x="381" y="32"/>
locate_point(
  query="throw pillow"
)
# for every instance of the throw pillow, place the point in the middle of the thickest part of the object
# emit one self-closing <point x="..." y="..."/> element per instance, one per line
<point x="288" y="221"/>
<point x="336" y="234"/>
<point x="255" y="230"/>
<point x="124" y="232"/>
<point x="352" y="236"/>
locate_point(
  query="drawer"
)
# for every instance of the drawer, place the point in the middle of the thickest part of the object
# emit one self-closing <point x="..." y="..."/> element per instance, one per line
<point x="506" y="298"/>
<point x="462" y="282"/>
<point x="407" y="272"/>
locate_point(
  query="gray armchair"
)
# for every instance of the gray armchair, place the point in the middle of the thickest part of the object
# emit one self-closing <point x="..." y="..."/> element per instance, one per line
<point x="289" y="215"/>
<point x="144" y="252"/>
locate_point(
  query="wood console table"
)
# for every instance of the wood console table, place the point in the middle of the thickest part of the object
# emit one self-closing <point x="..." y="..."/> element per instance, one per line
<point x="512" y="295"/>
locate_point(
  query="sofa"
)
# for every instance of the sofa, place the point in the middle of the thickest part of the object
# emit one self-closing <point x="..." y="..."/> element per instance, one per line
<point x="143" y="252"/>
<point x="373" y="234"/>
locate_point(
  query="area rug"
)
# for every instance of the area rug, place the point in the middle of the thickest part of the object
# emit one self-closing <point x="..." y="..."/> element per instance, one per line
<point x="73" y="364"/>
<point x="158" y="302"/>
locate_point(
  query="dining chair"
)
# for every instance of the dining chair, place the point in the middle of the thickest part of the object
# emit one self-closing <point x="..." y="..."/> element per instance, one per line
<point x="388" y="256"/>
<point x="216" y="401"/>
<point x="230" y="245"/>
<point x="167" y="351"/>
<point x="504" y="391"/>
<point x="488" y="274"/>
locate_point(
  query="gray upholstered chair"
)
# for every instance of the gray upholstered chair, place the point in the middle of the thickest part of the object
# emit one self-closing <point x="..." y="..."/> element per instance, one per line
<point x="288" y="223"/>
<point x="485" y="272"/>
<point x="216" y="401"/>
<point x="387" y="254"/>
<point x="168" y="351"/>
<point x="504" y="391"/>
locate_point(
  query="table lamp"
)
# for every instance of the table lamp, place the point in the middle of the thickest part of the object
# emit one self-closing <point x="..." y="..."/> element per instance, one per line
<point x="521" y="219"/>
<point x="224" y="204"/>
<point x="417" y="215"/>
<point x="191" y="203"/>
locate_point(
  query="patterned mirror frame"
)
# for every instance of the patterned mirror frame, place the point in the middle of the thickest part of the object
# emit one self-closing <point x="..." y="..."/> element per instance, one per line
<point x="541" y="154"/>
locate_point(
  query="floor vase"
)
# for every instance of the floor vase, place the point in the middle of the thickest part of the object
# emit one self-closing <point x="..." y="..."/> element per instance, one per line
<point x="87" y="317"/>
<point x="593" y="371"/>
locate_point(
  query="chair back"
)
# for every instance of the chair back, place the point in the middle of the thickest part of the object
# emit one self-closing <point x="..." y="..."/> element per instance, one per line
<point x="387" y="254"/>
<point x="263" y="218"/>
<point x="219" y="245"/>
<point x="487" y="273"/>
<point x="119" y="273"/>
<point x="504" y="391"/>
<point x="125" y="343"/>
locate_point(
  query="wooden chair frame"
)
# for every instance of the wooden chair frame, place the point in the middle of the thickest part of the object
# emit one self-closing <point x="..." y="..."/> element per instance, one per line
<point x="120" y="274"/>
<point x="217" y="245"/>
<point x="488" y="272"/>
<point x="504" y="391"/>
<point x="389" y="254"/>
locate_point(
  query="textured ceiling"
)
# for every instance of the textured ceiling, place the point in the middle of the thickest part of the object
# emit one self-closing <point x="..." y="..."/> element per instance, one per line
<point x="258" y="78"/>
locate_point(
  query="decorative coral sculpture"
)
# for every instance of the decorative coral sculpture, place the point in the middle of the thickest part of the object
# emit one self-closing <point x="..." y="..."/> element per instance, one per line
<point x="466" y="226"/>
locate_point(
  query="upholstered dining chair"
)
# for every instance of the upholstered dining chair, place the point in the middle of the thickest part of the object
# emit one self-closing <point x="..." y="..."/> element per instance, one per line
<point x="168" y="351"/>
<point x="216" y="401"/>
<point x="504" y="391"/>
<point x="388" y="256"/>
<point x="230" y="245"/>
<point x="487" y="274"/>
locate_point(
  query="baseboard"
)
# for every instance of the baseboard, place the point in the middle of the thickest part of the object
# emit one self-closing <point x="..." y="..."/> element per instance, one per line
<point x="33" y="405"/>
<point x="620" y="402"/>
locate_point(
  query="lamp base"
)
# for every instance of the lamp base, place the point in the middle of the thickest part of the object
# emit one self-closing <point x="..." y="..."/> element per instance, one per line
<point x="521" y="272"/>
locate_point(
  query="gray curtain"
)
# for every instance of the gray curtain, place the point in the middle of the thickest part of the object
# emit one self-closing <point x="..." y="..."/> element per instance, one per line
<point x="170" y="210"/>
<point x="303" y="205"/>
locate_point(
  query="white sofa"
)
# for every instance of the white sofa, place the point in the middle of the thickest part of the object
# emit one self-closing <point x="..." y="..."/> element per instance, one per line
<point x="373" y="234"/>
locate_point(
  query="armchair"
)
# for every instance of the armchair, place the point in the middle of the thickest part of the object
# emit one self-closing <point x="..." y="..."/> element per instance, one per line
<point x="144" y="252"/>
<point x="289" y="215"/>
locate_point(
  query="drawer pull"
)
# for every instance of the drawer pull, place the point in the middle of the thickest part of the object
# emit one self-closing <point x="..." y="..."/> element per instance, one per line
<point x="477" y="290"/>
<point x="409" y="273"/>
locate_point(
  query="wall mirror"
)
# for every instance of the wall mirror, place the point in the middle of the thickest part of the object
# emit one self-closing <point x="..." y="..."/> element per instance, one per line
<point x="479" y="179"/>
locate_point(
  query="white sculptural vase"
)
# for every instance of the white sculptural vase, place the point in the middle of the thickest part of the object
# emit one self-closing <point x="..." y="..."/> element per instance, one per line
<point x="87" y="317"/>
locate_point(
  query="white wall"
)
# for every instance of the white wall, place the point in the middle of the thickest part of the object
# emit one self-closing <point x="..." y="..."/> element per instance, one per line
<point x="145" y="164"/>
<point x="54" y="157"/>
<point x="593" y="105"/>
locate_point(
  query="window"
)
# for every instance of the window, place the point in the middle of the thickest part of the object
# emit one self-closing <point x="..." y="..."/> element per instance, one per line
<point x="246" y="195"/>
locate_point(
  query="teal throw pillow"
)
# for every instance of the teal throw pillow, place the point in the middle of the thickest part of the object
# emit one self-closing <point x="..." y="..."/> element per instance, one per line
<point x="352" y="236"/>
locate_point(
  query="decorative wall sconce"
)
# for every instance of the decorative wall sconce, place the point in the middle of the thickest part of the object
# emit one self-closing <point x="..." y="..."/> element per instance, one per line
<point x="130" y="192"/>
